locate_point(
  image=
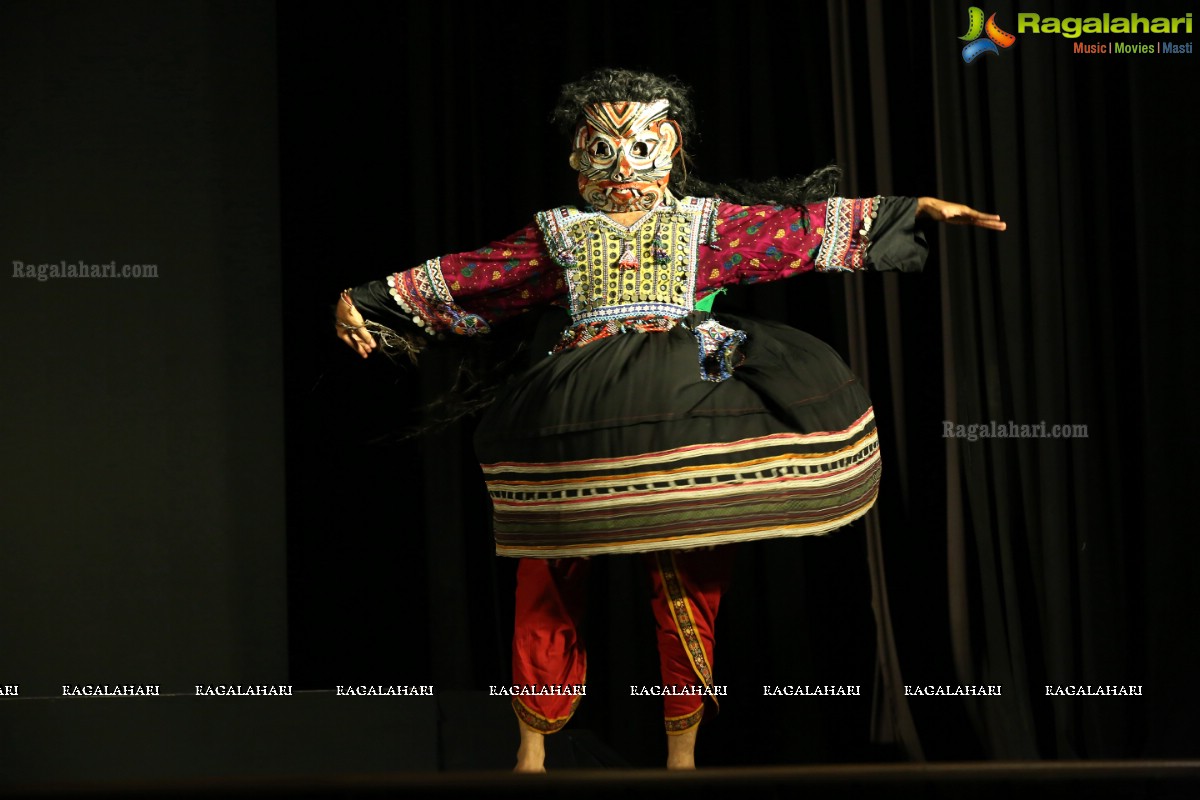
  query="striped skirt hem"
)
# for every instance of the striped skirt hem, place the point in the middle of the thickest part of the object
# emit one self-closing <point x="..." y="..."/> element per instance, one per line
<point x="780" y="485"/>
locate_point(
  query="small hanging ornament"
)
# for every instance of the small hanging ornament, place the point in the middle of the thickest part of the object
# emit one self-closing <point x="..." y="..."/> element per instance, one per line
<point x="628" y="260"/>
<point x="662" y="256"/>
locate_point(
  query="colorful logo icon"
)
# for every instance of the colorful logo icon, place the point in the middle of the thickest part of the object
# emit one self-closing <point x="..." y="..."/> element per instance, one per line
<point x="996" y="38"/>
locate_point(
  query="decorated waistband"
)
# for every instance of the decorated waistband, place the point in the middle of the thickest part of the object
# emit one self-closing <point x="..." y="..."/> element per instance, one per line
<point x="633" y="310"/>
<point x="588" y="332"/>
<point x="718" y="346"/>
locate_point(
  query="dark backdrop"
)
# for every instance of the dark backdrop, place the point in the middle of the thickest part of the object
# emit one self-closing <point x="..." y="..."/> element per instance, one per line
<point x="409" y="133"/>
<point x="265" y="158"/>
<point x="142" y="535"/>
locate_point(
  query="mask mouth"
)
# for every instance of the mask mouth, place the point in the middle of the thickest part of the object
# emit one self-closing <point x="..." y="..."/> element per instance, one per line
<point x="623" y="188"/>
<point x="633" y="187"/>
<point x="635" y="195"/>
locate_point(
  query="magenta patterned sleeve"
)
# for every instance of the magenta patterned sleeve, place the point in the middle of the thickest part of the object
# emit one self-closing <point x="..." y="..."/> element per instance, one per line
<point x="466" y="293"/>
<point x="766" y="243"/>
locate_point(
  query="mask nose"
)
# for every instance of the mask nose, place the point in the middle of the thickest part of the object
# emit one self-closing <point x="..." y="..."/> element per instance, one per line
<point x="622" y="171"/>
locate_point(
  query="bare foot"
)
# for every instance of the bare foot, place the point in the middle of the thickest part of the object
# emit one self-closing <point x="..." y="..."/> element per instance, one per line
<point x="531" y="755"/>
<point x="681" y="749"/>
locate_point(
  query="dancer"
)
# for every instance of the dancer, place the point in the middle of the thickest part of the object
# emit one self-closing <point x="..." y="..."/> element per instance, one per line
<point x="655" y="426"/>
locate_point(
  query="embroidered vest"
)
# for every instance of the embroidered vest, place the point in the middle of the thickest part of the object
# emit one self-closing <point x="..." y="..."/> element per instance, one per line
<point x="643" y="271"/>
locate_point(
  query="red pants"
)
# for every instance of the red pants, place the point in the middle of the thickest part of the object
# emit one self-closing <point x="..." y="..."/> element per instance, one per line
<point x="548" y="648"/>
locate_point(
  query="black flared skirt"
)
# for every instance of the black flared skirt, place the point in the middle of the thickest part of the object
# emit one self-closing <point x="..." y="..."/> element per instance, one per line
<point x="628" y="444"/>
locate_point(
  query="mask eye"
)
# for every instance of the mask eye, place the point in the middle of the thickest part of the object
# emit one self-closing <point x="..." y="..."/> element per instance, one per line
<point x="640" y="149"/>
<point x="600" y="149"/>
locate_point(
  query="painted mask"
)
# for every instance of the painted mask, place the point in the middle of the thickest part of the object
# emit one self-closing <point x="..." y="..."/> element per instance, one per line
<point x="623" y="152"/>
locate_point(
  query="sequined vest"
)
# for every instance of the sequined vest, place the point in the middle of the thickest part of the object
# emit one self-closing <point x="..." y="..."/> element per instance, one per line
<point x="643" y="271"/>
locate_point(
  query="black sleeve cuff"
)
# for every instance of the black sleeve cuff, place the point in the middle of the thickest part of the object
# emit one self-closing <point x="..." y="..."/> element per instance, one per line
<point x="375" y="302"/>
<point x="896" y="242"/>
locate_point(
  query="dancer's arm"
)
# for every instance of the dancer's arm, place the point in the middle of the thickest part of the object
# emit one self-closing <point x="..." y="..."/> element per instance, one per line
<point x="460" y="294"/>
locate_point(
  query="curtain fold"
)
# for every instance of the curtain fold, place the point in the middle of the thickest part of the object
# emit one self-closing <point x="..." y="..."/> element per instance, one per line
<point x="1044" y="578"/>
<point x="891" y="720"/>
<point x="1044" y="536"/>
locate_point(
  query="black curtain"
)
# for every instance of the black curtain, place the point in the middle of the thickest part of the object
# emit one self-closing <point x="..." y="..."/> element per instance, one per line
<point x="407" y="132"/>
<point x="1067" y="553"/>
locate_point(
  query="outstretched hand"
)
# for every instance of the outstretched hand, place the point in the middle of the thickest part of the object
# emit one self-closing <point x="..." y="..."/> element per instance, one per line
<point x="351" y="328"/>
<point x="957" y="214"/>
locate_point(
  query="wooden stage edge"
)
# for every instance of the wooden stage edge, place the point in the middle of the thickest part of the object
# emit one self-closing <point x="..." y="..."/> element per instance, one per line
<point x="1011" y="773"/>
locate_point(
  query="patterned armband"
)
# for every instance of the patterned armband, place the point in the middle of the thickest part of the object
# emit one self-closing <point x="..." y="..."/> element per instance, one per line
<point x="423" y="294"/>
<point x="845" y="241"/>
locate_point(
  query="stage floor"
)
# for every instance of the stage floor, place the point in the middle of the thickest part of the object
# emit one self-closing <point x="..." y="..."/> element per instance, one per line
<point x="318" y="744"/>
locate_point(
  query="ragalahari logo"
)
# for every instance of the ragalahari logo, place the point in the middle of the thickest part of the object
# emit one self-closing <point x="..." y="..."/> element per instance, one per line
<point x="996" y="38"/>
